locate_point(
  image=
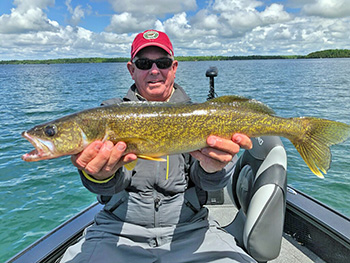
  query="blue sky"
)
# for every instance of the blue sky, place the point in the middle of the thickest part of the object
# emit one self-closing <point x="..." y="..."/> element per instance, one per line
<point x="43" y="29"/>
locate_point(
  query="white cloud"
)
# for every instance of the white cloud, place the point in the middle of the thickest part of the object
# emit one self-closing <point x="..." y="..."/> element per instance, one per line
<point x="153" y="7"/>
<point x="213" y="29"/>
<point x="235" y="5"/>
<point x="78" y="12"/>
<point x="322" y="8"/>
<point x="301" y="35"/>
<point x="328" y="8"/>
<point x="28" y="16"/>
<point x="67" y="42"/>
<point x="25" y="4"/>
<point x="178" y="26"/>
<point x="126" y="22"/>
<point x="139" y="15"/>
<point x="274" y="14"/>
<point x="232" y="19"/>
<point x="206" y="20"/>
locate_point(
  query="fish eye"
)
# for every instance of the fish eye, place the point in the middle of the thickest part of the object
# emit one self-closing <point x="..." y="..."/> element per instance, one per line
<point x="50" y="130"/>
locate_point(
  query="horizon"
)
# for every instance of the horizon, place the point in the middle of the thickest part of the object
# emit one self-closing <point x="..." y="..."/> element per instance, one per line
<point x="191" y="58"/>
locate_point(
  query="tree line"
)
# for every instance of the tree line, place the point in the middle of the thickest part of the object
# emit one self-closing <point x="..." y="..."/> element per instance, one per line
<point x="330" y="53"/>
<point x="66" y="61"/>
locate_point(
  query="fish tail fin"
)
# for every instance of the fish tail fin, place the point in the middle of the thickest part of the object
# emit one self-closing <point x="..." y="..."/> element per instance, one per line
<point x="314" y="144"/>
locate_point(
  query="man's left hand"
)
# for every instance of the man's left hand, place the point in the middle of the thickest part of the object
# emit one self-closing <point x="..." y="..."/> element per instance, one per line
<point x="221" y="151"/>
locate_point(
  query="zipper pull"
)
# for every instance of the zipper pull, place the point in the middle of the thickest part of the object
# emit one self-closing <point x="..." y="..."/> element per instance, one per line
<point x="157" y="203"/>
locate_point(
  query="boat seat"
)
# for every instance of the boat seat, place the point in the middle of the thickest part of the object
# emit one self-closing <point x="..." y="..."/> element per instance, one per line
<point x="258" y="189"/>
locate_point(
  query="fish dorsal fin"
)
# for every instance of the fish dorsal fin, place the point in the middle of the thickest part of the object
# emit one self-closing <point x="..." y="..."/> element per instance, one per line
<point x="228" y="99"/>
<point x="245" y="103"/>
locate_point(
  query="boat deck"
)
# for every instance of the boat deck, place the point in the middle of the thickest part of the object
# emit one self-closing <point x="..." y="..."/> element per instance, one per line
<point x="291" y="251"/>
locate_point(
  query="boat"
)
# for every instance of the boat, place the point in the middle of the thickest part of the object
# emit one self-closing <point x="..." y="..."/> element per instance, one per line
<point x="272" y="221"/>
<point x="313" y="232"/>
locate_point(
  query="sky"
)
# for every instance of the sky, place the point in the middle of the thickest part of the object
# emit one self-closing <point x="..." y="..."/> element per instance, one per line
<point x="49" y="29"/>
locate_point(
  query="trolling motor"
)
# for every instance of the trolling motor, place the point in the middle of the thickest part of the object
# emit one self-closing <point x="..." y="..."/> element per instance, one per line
<point x="211" y="73"/>
<point x="214" y="197"/>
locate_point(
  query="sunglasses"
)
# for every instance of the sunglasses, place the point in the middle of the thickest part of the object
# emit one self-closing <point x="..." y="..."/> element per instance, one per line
<point x="145" y="63"/>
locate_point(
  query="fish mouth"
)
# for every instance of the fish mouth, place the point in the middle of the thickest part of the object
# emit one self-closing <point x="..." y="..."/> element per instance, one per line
<point x="43" y="149"/>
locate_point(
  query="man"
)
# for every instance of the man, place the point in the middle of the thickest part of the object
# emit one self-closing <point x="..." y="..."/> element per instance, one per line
<point x="155" y="212"/>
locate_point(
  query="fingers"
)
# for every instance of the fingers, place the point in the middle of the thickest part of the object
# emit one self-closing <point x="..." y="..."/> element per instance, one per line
<point x="220" y="148"/>
<point x="219" y="155"/>
<point x="117" y="159"/>
<point x="102" y="160"/>
<point x="243" y="141"/>
<point x="114" y="153"/>
<point x="221" y="151"/>
<point x="209" y="164"/>
<point x="231" y="146"/>
<point x="81" y="159"/>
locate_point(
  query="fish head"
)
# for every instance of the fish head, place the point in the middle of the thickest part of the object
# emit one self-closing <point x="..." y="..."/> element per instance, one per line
<point x="54" y="139"/>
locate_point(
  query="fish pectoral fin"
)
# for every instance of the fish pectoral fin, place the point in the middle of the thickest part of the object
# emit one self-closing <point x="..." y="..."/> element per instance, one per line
<point x="245" y="103"/>
<point x="158" y="159"/>
<point x="130" y="166"/>
<point x="109" y="135"/>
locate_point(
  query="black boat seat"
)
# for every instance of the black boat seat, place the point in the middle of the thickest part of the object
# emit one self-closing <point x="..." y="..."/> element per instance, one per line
<point x="258" y="189"/>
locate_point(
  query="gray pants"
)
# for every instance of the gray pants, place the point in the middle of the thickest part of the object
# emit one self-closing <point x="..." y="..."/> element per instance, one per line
<point x="110" y="240"/>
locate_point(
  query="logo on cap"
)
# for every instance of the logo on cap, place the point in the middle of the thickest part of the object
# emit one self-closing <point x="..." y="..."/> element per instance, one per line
<point x="151" y="35"/>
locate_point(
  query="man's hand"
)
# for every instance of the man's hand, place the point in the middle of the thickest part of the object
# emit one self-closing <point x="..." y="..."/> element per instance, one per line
<point x="221" y="151"/>
<point x="102" y="160"/>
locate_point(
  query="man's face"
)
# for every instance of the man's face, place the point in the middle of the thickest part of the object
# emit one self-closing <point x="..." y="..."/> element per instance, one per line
<point x="153" y="84"/>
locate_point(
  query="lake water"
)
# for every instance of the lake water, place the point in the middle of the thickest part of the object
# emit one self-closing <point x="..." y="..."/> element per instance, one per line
<point x="36" y="197"/>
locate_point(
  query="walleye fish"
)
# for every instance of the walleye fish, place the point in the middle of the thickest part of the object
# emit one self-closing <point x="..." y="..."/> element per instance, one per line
<point x="152" y="130"/>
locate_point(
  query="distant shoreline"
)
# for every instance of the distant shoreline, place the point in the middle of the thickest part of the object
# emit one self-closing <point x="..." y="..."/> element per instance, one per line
<point x="330" y="53"/>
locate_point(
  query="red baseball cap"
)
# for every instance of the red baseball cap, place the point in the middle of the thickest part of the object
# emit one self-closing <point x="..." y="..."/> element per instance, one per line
<point x="151" y="38"/>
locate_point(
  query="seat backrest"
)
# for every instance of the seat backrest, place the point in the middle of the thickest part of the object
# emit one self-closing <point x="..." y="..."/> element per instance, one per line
<point x="258" y="189"/>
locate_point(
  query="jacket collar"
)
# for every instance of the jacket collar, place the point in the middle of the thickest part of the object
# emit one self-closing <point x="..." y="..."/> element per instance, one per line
<point x="178" y="95"/>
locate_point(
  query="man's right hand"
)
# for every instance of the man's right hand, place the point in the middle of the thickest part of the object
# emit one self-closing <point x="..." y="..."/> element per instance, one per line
<point x="102" y="159"/>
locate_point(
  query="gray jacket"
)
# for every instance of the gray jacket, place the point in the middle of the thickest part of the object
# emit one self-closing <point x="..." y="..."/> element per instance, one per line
<point x="147" y="196"/>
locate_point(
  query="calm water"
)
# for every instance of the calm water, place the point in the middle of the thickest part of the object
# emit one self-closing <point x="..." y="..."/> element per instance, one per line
<point x="36" y="197"/>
